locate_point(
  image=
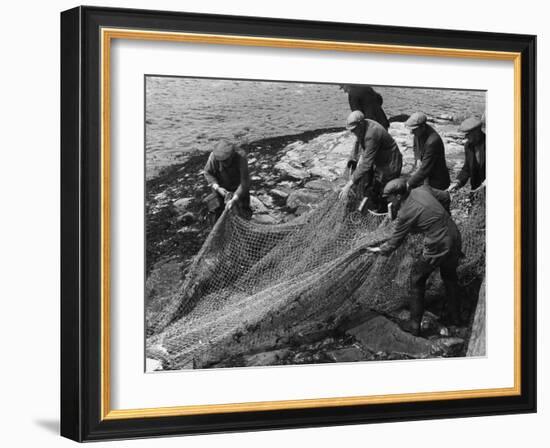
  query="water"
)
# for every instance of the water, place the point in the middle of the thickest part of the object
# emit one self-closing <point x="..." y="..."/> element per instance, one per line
<point x="184" y="115"/>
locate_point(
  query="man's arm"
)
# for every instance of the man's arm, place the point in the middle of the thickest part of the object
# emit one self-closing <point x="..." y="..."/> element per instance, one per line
<point x="354" y="155"/>
<point x="209" y="172"/>
<point x="244" y="186"/>
<point x="464" y="173"/>
<point x="372" y="143"/>
<point x="405" y="220"/>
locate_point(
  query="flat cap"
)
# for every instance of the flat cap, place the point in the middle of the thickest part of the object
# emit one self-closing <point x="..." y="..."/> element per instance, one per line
<point x="223" y="150"/>
<point x="395" y="186"/>
<point x="469" y="124"/>
<point x="415" y="120"/>
<point x="354" y="119"/>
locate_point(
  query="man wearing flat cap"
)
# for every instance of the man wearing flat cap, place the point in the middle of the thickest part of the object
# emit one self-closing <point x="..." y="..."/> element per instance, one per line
<point x="419" y="211"/>
<point x="226" y="172"/>
<point x="474" y="155"/>
<point x="429" y="148"/>
<point x="374" y="161"/>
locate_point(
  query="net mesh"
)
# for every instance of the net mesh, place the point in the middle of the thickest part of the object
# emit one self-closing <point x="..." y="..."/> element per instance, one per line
<point x="253" y="286"/>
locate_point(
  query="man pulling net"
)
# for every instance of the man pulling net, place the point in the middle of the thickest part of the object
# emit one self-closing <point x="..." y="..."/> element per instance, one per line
<point x="374" y="161"/>
<point x="418" y="211"/>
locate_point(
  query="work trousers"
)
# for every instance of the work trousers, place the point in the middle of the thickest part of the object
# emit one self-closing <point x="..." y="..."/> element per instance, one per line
<point x="421" y="271"/>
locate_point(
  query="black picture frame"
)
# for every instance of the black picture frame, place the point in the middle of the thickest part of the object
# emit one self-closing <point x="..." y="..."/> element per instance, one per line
<point x="81" y="381"/>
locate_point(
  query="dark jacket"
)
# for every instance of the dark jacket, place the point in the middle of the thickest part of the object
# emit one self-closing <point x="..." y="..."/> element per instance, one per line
<point x="233" y="176"/>
<point x="380" y="155"/>
<point x="368" y="101"/>
<point x="433" y="167"/>
<point x="472" y="168"/>
<point x="421" y="212"/>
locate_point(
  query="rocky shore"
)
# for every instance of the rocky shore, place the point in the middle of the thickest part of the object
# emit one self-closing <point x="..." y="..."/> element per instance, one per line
<point x="290" y="175"/>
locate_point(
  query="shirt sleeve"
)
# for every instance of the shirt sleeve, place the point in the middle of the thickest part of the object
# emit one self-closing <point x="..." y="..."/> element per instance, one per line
<point x="464" y="173"/>
<point x="372" y="143"/>
<point x="427" y="164"/>
<point x="354" y="154"/>
<point x="244" y="186"/>
<point x="405" y="221"/>
<point x="209" y="172"/>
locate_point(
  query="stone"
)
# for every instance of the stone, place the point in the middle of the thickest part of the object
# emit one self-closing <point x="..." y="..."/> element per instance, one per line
<point x="348" y="354"/>
<point x="266" y="358"/>
<point x="279" y="193"/>
<point x="264" y="219"/>
<point x="266" y="200"/>
<point x="320" y="184"/>
<point x="292" y="172"/>
<point x="303" y="197"/>
<point x="152" y="365"/>
<point x="448" y="347"/>
<point x="182" y="204"/>
<point x="382" y="335"/>
<point x="186" y="218"/>
<point x="257" y="206"/>
<point x="187" y="229"/>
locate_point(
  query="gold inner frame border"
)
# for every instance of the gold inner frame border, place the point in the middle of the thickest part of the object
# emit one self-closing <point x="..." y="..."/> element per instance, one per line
<point x="107" y="35"/>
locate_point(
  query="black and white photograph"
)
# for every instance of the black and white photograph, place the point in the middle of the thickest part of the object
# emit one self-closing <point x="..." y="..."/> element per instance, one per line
<point x="294" y="223"/>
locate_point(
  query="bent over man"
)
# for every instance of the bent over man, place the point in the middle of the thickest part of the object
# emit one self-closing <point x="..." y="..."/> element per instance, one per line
<point x="429" y="149"/>
<point x="226" y="172"/>
<point x="368" y="101"/>
<point x="374" y="161"/>
<point x="418" y="211"/>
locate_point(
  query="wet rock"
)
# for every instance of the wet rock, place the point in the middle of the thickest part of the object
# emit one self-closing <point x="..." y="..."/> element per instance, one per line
<point x="187" y="229"/>
<point x="303" y="209"/>
<point x="382" y="335"/>
<point x="292" y="172"/>
<point x="266" y="358"/>
<point x="448" y="347"/>
<point x="348" y="354"/>
<point x="264" y="219"/>
<point x="356" y="317"/>
<point x="181" y="205"/>
<point x="257" y="206"/>
<point x="279" y="193"/>
<point x="186" y="218"/>
<point x="303" y="197"/>
<point x="152" y="365"/>
<point x="266" y="200"/>
<point x="320" y="184"/>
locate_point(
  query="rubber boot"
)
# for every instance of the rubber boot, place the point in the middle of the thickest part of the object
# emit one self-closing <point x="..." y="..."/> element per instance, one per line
<point x="416" y="306"/>
<point x="452" y="303"/>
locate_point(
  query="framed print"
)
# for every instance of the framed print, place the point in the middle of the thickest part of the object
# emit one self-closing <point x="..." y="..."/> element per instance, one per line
<point x="276" y="224"/>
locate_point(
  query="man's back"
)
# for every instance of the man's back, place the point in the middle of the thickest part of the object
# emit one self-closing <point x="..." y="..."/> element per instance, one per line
<point x="380" y="151"/>
<point x="433" y="169"/>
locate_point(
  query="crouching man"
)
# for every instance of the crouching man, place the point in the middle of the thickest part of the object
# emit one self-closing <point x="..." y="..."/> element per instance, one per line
<point x="418" y="211"/>
<point x="375" y="159"/>
<point x="226" y="172"/>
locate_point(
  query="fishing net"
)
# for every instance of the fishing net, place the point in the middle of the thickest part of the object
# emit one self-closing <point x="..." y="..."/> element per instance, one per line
<point x="253" y="286"/>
